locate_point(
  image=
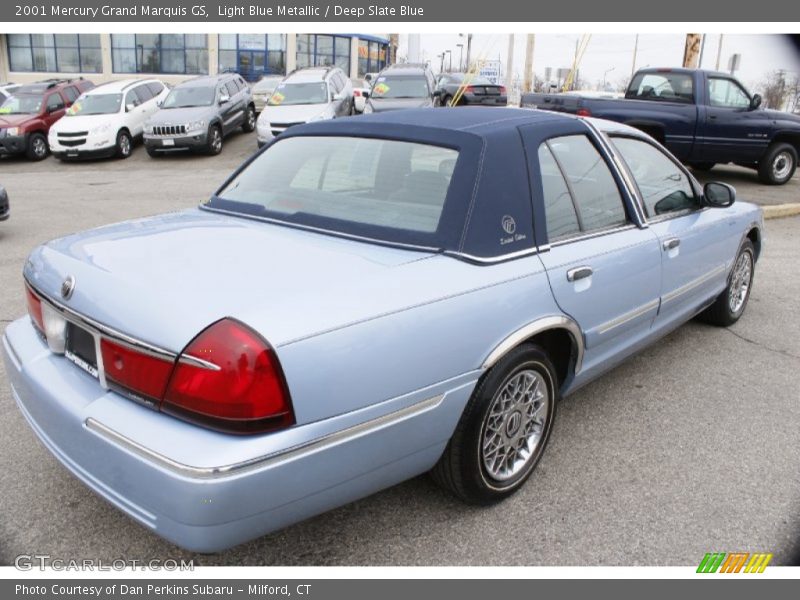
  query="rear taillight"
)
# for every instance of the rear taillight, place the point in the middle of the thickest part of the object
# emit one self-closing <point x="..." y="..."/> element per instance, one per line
<point x="469" y="89"/>
<point x="136" y="370"/>
<point x="35" y="309"/>
<point x="584" y="112"/>
<point x="357" y="93"/>
<point x="502" y="89"/>
<point x="229" y="378"/>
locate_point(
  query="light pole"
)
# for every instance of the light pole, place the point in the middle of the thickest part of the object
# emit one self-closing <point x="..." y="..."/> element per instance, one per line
<point x="441" y="66"/>
<point x="450" y="56"/>
<point x="460" y="56"/>
<point x="606" y="72"/>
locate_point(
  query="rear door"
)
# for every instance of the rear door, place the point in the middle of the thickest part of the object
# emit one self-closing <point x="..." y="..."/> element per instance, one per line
<point x="694" y="242"/>
<point x="234" y="109"/>
<point x="604" y="270"/>
<point x="730" y="131"/>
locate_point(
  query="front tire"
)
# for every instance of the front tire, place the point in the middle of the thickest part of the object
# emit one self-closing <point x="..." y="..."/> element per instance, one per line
<point x="504" y="429"/>
<point x="124" y="144"/>
<point x="214" y="140"/>
<point x="778" y="164"/>
<point x="249" y="120"/>
<point x="730" y="304"/>
<point x="37" y="147"/>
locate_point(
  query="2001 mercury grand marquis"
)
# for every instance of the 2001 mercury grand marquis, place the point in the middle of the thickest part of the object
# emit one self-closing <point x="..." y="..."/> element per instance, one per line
<point x="362" y="301"/>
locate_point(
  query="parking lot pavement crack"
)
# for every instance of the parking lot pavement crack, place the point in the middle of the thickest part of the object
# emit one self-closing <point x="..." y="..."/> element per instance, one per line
<point x="764" y="346"/>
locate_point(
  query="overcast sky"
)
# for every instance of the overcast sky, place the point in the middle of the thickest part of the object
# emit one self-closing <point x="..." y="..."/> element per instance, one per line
<point x="760" y="53"/>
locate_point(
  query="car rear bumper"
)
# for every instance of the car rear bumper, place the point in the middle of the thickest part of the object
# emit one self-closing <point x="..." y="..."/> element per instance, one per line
<point x="483" y="100"/>
<point x="196" y="141"/>
<point x="207" y="491"/>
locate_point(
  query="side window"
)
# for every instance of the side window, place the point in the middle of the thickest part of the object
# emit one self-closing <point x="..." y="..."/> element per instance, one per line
<point x="726" y="93"/>
<point x="132" y="98"/>
<point x="597" y="198"/>
<point x="664" y="186"/>
<point x="155" y="88"/>
<point x="232" y="88"/>
<point x="562" y="220"/>
<point x="54" y="102"/>
<point x="143" y="93"/>
<point x="71" y="93"/>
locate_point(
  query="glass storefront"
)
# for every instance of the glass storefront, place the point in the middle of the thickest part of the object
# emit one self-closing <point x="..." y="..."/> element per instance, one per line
<point x="317" y="50"/>
<point x="160" y="53"/>
<point x="55" y="53"/>
<point x="252" y="54"/>
<point x="371" y="56"/>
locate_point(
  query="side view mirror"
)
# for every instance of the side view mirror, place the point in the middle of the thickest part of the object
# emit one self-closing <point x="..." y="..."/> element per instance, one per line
<point x="129" y="106"/>
<point x="365" y="94"/>
<point x="755" y="101"/>
<point x="719" y="195"/>
<point x="437" y="93"/>
<point x="368" y="77"/>
<point x="224" y="99"/>
<point x="159" y="103"/>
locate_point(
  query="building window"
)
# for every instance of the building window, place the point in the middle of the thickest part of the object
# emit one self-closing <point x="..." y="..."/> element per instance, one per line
<point x="160" y="53"/>
<point x="323" y="50"/>
<point x="252" y="54"/>
<point x="371" y="57"/>
<point x="55" y="53"/>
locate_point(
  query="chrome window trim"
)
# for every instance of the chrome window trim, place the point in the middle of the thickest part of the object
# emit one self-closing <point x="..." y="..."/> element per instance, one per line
<point x="488" y="260"/>
<point x="593" y="234"/>
<point x="628" y="316"/>
<point x="267" y="460"/>
<point x="538" y="326"/>
<point x="688" y="287"/>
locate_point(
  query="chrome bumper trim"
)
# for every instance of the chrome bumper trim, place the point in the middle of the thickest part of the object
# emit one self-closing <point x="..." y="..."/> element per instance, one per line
<point x="267" y="460"/>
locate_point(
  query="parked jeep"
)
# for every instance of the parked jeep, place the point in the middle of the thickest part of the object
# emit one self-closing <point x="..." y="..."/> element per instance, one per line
<point x="199" y="113"/>
<point x="27" y="115"/>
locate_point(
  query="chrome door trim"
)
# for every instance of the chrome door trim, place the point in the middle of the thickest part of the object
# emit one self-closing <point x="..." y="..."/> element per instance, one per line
<point x="688" y="287"/>
<point x="628" y="316"/>
<point x="268" y="460"/>
<point x="538" y="326"/>
<point x="592" y="234"/>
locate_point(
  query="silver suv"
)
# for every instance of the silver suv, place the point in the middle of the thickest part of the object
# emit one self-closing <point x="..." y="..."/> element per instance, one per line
<point x="305" y="95"/>
<point x="199" y="113"/>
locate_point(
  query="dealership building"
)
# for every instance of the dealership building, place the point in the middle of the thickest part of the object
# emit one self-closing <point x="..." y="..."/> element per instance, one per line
<point x="174" y="57"/>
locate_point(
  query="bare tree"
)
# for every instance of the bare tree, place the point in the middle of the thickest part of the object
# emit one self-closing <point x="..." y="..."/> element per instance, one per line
<point x="774" y="89"/>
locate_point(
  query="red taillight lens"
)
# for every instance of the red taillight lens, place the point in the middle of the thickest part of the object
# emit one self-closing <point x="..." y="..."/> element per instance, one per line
<point x="229" y="378"/>
<point x="34" y="308"/>
<point x="584" y="112"/>
<point x="137" y="371"/>
<point x="502" y="89"/>
<point x="469" y="89"/>
<point x="357" y="93"/>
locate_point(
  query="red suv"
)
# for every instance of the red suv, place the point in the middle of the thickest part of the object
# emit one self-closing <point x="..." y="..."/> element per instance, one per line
<point x="26" y="117"/>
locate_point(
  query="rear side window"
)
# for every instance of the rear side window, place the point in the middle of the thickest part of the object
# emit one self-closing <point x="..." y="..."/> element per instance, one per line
<point x="232" y="88"/>
<point x="667" y="87"/>
<point x="594" y="192"/>
<point x="155" y="88"/>
<point x="562" y="218"/>
<point x="663" y="185"/>
<point x="54" y="102"/>
<point x="71" y="93"/>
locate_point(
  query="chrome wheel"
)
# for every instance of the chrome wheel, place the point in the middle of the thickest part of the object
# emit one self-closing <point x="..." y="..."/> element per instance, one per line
<point x="216" y="141"/>
<point x="782" y="165"/>
<point x="39" y="147"/>
<point x="740" y="282"/>
<point x="515" y="424"/>
<point x="251" y="119"/>
<point x="124" y="145"/>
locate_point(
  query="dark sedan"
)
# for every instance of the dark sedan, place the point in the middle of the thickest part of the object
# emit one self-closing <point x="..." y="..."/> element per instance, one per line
<point x="459" y="89"/>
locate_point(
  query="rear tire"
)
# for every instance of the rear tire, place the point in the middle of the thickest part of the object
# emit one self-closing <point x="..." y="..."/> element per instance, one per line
<point x="730" y="304"/>
<point x="249" y="123"/>
<point x="778" y="164"/>
<point x="504" y="429"/>
<point x="37" y="147"/>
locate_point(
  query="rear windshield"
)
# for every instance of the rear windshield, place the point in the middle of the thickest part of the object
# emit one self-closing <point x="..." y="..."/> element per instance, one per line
<point x="388" y="190"/>
<point x="400" y="87"/>
<point x="666" y="86"/>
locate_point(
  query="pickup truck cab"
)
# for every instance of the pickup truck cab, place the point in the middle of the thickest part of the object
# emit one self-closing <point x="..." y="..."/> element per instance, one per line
<point x="703" y="117"/>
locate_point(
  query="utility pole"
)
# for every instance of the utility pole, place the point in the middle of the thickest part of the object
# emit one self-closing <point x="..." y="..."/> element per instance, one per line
<point x="719" y="51"/>
<point x="635" y="52"/>
<point x="702" y="51"/>
<point x="450" y="56"/>
<point x="528" y="80"/>
<point x="441" y="66"/>
<point x="691" y="51"/>
<point x="510" y="62"/>
<point x="460" y="56"/>
<point x="469" y="49"/>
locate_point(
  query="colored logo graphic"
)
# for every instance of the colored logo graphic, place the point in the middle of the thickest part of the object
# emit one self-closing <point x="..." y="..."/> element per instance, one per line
<point x="734" y="562"/>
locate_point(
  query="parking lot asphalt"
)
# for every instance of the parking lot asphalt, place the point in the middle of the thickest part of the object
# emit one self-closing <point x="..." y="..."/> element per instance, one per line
<point x="687" y="448"/>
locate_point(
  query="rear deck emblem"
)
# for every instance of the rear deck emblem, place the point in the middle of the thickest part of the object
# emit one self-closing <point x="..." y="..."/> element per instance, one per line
<point x="68" y="287"/>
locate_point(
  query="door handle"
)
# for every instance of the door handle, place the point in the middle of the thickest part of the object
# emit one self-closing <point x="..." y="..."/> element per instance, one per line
<point x="671" y="243"/>
<point x="579" y="273"/>
<point x="712" y="117"/>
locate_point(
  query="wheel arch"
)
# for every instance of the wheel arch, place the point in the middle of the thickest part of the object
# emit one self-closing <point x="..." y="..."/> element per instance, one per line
<point x="789" y="137"/>
<point x="754" y="235"/>
<point x="560" y="337"/>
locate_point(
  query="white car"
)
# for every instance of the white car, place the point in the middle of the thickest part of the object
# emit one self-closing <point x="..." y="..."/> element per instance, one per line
<point x="105" y="120"/>
<point x="7" y="90"/>
<point x="361" y="91"/>
<point x="305" y="95"/>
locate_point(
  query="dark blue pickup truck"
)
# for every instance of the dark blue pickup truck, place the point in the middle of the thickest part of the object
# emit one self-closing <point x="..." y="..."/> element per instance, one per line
<point x="703" y="117"/>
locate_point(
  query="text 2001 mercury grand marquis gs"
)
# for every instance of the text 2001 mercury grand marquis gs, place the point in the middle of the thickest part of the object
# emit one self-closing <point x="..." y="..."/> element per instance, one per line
<point x="363" y="301"/>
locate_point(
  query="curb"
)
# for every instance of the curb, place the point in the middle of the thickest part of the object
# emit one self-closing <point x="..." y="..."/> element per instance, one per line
<point x="781" y="210"/>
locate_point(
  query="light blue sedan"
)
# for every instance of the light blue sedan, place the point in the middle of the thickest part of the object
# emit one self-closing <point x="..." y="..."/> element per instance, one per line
<point x="366" y="300"/>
